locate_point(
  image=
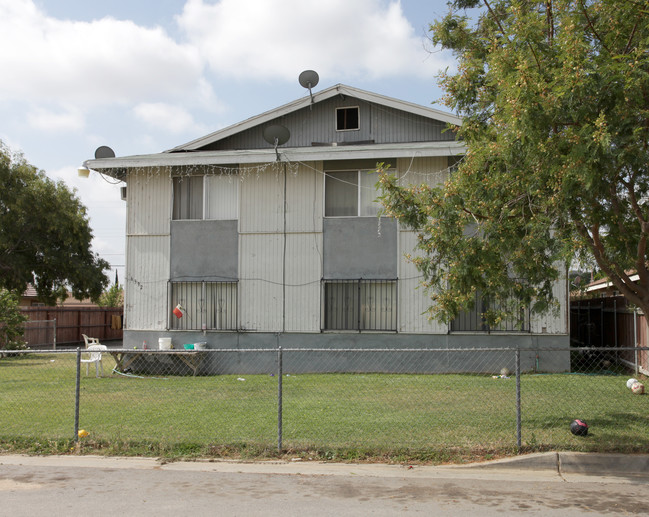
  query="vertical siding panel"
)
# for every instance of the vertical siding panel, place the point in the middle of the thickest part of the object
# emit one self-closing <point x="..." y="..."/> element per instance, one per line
<point x="149" y="202"/>
<point x="413" y="300"/>
<point x="261" y="200"/>
<point x="147" y="248"/>
<point x="146" y="282"/>
<point x="317" y="124"/>
<point x="303" y="274"/>
<point x="304" y="198"/>
<point x="260" y="282"/>
<point x="554" y="322"/>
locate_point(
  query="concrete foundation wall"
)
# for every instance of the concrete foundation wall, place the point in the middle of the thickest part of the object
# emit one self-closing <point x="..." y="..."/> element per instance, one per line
<point x="539" y="353"/>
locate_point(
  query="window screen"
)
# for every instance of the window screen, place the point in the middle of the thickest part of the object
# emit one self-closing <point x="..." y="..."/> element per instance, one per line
<point x="222" y="196"/>
<point x="351" y="193"/>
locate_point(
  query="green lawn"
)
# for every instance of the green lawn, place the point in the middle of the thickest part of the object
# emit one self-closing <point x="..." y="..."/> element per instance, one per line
<point x="339" y="416"/>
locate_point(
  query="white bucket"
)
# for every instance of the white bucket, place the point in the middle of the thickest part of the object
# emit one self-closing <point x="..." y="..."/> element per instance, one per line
<point x="164" y="343"/>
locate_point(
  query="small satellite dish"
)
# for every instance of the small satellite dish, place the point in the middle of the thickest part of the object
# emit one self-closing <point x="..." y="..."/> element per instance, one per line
<point x="104" y="152"/>
<point x="309" y="79"/>
<point x="276" y="135"/>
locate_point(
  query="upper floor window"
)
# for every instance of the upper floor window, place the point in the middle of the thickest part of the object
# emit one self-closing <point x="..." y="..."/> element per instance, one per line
<point x="351" y="193"/>
<point x="206" y="197"/>
<point x="348" y="119"/>
<point x="188" y="197"/>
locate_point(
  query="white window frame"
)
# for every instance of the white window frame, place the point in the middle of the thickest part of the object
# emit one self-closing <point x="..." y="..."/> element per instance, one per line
<point x="357" y="108"/>
<point x="359" y="191"/>
<point x="205" y="196"/>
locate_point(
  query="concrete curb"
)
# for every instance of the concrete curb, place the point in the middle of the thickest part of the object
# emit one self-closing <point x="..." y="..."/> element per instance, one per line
<point x="551" y="465"/>
<point x="624" y="465"/>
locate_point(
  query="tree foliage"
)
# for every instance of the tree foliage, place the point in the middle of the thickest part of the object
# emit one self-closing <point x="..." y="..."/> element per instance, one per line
<point x="45" y="235"/>
<point x="11" y="322"/>
<point x="554" y="95"/>
<point x="112" y="297"/>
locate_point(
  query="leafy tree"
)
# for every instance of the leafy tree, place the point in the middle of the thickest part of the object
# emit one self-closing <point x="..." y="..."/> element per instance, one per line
<point x="45" y="235"/>
<point x="11" y="321"/>
<point x="112" y="297"/>
<point x="555" y="100"/>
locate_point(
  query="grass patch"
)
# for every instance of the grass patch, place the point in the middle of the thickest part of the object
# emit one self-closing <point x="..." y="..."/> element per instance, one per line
<point x="335" y="417"/>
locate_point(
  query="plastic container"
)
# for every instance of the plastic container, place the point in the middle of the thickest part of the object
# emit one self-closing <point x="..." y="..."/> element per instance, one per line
<point x="202" y="345"/>
<point x="164" y="343"/>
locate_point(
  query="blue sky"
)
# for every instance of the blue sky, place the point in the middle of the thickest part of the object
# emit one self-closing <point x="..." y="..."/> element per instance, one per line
<point x="142" y="76"/>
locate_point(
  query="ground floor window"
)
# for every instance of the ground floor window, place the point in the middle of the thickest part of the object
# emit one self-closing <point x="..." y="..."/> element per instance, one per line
<point x="359" y="305"/>
<point x="205" y="306"/>
<point x="474" y="320"/>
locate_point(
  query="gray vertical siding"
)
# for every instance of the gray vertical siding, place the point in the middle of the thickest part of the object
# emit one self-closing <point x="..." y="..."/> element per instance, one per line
<point x="380" y="124"/>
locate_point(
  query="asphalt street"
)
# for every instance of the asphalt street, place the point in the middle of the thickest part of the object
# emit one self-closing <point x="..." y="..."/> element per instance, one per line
<point x="548" y="484"/>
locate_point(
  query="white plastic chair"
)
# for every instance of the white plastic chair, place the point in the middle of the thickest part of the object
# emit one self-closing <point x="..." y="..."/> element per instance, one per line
<point x="90" y="340"/>
<point x="95" y="357"/>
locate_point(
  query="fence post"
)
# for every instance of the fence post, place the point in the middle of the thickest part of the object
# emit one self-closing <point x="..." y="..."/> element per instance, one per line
<point x="54" y="330"/>
<point x="76" y="397"/>
<point x="279" y="399"/>
<point x="518" y="400"/>
<point x="635" y="339"/>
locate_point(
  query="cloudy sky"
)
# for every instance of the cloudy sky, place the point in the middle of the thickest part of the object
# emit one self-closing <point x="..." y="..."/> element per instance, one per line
<point x="143" y="76"/>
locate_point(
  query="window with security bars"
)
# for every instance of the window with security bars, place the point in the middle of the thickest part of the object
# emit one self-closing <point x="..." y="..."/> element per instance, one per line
<point x="474" y="321"/>
<point x="360" y="305"/>
<point x="205" y="306"/>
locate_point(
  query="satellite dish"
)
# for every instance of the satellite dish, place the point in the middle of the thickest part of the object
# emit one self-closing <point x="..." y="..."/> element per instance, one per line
<point x="309" y="79"/>
<point x="104" y="152"/>
<point x="276" y="135"/>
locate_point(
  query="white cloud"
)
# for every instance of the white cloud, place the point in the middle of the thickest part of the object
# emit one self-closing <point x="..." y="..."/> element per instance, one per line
<point x="70" y="119"/>
<point x="99" y="62"/>
<point x="165" y="116"/>
<point x="260" y="40"/>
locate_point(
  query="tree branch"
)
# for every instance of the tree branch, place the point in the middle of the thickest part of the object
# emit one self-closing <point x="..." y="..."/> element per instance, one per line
<point x="592" y="28"/>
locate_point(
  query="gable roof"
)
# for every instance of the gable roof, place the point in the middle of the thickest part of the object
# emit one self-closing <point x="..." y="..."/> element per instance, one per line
<point x="195" y="152"/>
<point x="339" y="89"/>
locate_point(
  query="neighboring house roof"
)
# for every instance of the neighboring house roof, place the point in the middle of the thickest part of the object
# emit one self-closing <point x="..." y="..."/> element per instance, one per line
<point x="606" y="285"/>
<point x="204" y="151"/>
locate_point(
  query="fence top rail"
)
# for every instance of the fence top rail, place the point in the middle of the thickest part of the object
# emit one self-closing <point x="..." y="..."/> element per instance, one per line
<point x="328" y="350"/>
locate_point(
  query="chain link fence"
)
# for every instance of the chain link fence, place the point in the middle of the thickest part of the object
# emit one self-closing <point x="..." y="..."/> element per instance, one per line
<point x="478" y="400"/>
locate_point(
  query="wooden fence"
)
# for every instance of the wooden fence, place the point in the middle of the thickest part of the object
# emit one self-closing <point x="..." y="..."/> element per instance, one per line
<point x="610" y="322"/>
<point x="71" y="322"/>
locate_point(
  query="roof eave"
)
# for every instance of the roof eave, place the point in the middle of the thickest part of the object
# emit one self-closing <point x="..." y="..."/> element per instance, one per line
<point x="117" y="167"/>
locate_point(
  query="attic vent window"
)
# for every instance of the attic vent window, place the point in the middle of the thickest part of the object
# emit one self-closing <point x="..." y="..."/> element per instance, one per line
<point x="347" y="119"/>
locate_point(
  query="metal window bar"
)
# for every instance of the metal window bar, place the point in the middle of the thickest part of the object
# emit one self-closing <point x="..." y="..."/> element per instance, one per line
<point x="206" y="305"/>
<point x="473" y="320"/>
<point x="360" y="305"/>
